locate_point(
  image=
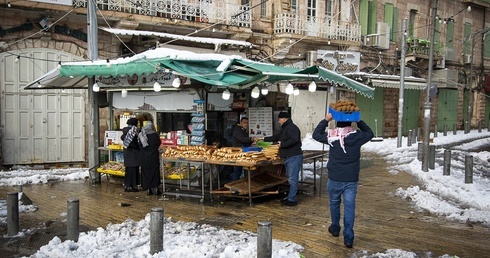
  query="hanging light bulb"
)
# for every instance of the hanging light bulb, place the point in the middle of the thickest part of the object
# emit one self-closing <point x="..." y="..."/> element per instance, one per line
<point x="62" y="90"/>
<point x="296" y="92"/>
<point x="331" y="90"/>
<point x="176" y="82"/>
<point x="255" y="92"/>
<point x="108" y="63"/>
<point x="96" y="87"/>
<point x="264" y="90"/>
<point x="469" y="8"/>
<point x="157" y="87"/>
<point x="289" y="89"/>
<point x="124" y="93"/>
<point x="17" y="59"/>
<point x="312" y="86"/>
<point x="226" y="94"/>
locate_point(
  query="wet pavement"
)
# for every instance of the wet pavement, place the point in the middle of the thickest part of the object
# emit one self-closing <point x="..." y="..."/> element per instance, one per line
<point x="383" y="220"/>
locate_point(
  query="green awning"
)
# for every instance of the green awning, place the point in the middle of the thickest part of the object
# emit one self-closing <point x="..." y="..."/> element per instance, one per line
<point x="207" y="71"/>
<point x="336" y="78"/>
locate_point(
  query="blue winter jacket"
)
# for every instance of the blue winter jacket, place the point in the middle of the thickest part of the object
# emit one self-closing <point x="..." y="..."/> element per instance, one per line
<point x="344" y="166"/>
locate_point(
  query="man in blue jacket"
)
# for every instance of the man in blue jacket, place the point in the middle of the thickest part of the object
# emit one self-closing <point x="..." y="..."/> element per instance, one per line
<point x="343" y="170"/>
<point x="290" y="151"/>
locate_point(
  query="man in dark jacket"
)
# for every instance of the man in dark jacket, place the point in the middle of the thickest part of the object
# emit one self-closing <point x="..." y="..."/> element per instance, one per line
<point x="240" y="139"/>
<point x="343" y="170"/>
<point x="131" y="153"/>
<point x="290" y="151"/>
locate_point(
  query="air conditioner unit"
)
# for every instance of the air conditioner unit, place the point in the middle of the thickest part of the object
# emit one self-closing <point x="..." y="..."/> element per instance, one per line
<point x="441" y="64"/>
<point x="467" y="59"/>
<point x="383" y="30"/>
<point x="381" y="39"/>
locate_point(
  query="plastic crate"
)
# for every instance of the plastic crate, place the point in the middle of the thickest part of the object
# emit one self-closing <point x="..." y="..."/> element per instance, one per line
<point x="342" y="116"/>
<point x="247" y="149"/>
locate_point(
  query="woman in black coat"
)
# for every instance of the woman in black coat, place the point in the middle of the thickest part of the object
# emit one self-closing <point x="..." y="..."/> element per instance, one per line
<point x="131" y="153"/>
<point x="149" y="158"/>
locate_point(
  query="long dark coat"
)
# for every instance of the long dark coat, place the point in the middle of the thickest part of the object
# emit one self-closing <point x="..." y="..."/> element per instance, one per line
<point x="131" y="153"/>
<point x="149" y="155"/>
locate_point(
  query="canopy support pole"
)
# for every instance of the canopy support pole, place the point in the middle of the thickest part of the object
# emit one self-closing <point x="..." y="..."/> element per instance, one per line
<point x="93" y="101"/>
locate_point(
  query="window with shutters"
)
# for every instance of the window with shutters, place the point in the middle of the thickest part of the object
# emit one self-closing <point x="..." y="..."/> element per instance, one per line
<point x="391" y="18"/>
<point x="411" y="23"/>
<point x="329" y="8"/>
<point x="367" y="10"/>
<point x="466" y="39"/>
<point x="263" y="9"/>
<point x="311" y="10"/>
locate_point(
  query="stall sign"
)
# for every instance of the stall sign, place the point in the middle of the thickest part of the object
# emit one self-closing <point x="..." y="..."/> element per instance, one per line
<point x="260" y="121"/>
<point x="112" y="138"/>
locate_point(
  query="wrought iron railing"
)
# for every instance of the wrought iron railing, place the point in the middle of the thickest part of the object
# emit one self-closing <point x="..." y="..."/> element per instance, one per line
<point x="316" y="27"/>
<point x="202" y="11"/>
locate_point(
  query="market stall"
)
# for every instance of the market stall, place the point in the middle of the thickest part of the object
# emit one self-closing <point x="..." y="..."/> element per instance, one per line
<point x="253" y="161"/>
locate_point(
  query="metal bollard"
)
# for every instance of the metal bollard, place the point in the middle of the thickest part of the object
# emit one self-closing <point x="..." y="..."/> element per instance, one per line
<point x="414" y="136"/>
<point x="156" y="230"/>
<point x="72" y="219"/>
<point x="455" y="129"/>
<point x="468" y="169"/>
<point x="20" y="188"/>
<point x="420" y="151"/>
<point x="419" y="130"/>
<point x="445" y="129"/>
<point x="446" y="171"/>
<point x="479" y="127"/>
<point x="409" y="138"/>
<point x="432" y="156"/>
<point x="435" y="131"/>
<point x="264" y="239"/>
<point x="466" y="127"/>
<point x="12" y="213"/>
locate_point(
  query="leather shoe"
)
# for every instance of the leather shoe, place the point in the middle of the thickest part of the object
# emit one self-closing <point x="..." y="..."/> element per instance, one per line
<point x="289" y="203"/>
<point x="348" y="244"/>
<point x="334" y="233"/>
<point x="130" y="189"/>
<point x="284" y="200"/>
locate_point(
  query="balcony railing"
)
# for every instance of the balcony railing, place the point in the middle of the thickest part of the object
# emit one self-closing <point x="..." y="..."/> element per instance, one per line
<point x="421" y="46"/>
<point x="316" y="27"/>
<point x="203" y="11"/>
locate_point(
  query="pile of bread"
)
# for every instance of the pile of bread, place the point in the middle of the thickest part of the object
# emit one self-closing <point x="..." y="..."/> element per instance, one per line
<point x="225" y="154"/>
<point x="112" y="165"/>
<point x="344" y="106"/>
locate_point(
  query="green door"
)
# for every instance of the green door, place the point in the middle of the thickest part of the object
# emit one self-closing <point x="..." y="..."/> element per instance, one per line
<point x="411" y="109"/>
<point x="447" y="111"/>
<point x="372" y="111"/>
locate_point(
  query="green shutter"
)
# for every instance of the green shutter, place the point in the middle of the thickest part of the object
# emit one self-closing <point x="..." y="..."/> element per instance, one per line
<point x="450" y="35"/>
<point x="372" y="18"/>
<point x="389" y="17"/>
<point x="394" y="28"/>
<point x="364" y="14"/>
<point x="466" y="39"/>
<point x="486" y="45"/>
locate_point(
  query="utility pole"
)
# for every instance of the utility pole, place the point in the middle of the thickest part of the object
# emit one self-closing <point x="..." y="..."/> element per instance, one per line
<point x="402" y="83"/>
<point x="428" y="105"/>
<point x="93" y="101"/>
